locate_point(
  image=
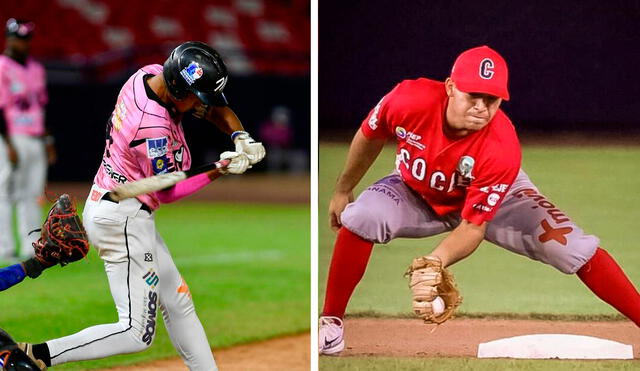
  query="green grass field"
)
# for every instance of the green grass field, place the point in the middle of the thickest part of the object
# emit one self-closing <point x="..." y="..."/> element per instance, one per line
<point x="247" y="267"/>
<point x="595" y="186"/>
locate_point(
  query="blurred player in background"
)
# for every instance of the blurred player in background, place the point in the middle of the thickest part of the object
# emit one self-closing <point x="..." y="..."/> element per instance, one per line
<point x="25" y="147"/>
<point x="145" y="137"/>
<point x="278" y="134"/>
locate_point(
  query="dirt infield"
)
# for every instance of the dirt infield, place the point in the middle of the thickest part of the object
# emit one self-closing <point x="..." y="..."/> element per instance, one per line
<point x="286" y="353"/>
<point x="461" y="337"/>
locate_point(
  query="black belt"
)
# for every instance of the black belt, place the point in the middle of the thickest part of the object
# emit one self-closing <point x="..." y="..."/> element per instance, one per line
<point x="145" y="207"/>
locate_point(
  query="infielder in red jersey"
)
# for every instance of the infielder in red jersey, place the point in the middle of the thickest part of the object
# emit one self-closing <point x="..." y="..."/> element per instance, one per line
<point x="457" y="169"/>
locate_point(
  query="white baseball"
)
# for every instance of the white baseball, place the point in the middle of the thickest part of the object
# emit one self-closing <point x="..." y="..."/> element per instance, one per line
<point x="438" y="306"/>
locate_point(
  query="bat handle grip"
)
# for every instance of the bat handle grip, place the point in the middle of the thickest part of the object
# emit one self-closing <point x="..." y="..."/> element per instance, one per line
<point x="222" y="163"/>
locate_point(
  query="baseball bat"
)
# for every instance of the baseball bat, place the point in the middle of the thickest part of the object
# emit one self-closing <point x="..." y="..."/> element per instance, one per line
<point x="162" y="181"/>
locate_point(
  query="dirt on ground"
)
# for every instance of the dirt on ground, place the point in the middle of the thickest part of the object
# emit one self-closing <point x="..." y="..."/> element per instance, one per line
<point x="285" y="353"/>
<point x="461" y="337"/>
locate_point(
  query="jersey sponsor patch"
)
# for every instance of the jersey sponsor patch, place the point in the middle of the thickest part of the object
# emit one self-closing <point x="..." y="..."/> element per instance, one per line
<point x="464" y="171"/>
<point x="160" y="165"/>
<point x="492" y="199"/>
<point x="157" y="147"/>
<point x="113" y="174"/>
<point x="192" y="72"/>
<point x="119" y="115"/>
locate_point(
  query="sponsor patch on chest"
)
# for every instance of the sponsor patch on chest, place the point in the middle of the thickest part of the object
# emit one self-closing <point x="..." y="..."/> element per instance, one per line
<point x="410" y="137"/>
<point x="157" y="147"/>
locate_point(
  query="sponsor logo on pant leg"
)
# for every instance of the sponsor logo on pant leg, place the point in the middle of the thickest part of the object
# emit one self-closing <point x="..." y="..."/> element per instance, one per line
<point x="384" y="186"/>
<point x="151" y="278"/>
<point x="96" y="195"/>
<point x="556" y="234"/>
<point x="150" y="327"/>
<point x="549" y="232"/>
<point x="183" y="288"/>
<point x="385" y="190"/>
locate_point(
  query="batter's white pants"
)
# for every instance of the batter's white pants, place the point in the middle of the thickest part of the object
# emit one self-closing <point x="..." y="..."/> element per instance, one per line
<point x="28" y="180"/>
<point x="7" y="246"/>
<point x="143" y="280"/>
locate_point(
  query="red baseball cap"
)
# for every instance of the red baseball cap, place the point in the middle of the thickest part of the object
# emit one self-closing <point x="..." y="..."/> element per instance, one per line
<point x="481" y="70"/>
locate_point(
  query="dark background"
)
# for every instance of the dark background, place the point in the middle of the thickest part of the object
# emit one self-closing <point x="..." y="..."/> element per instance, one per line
<point x="574" y="65"/>
<point x="77" y="115"/>
<point x="90" y="48"/>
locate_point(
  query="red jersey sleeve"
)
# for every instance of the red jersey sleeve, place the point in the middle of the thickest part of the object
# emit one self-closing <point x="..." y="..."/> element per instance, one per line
<point x="377" y="125"/>
<point x="495" y="176"/>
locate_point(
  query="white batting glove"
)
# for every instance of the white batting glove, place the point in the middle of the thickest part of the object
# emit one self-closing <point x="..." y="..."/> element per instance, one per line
<point x="239" y="162"/>
<point x="245" y="144"/>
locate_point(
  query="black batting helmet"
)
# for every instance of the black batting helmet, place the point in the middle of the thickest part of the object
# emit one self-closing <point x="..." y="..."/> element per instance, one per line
<point x="19" y="28"/>
<point x="197" y="68"/>
<point x="12" y="358"/>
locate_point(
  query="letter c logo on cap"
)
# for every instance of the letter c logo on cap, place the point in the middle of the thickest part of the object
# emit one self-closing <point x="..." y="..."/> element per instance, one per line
<point x="486" y="69"/>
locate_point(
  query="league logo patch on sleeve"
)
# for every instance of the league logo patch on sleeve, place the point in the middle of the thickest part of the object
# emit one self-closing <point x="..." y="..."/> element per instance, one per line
<point x="157" y="147"/>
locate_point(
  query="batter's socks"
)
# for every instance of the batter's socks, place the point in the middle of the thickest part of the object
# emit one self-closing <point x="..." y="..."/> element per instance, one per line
<point x="41" y="352"/>
<point x="607" y="280"/>
<point x="348" y="264"/>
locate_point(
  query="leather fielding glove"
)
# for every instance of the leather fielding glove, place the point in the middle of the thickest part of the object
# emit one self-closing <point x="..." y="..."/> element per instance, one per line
<point x="429" y="280"/>
<point x="63" y="238"/>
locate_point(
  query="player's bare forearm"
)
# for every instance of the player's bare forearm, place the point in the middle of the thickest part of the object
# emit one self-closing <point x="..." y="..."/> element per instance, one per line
<point x="224" y="119"/>
<point x="362" y="153"/>
<point x="460" y="243"/>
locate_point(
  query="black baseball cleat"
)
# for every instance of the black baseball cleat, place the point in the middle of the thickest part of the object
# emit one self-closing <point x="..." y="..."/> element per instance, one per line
<point x="27" y="348"/>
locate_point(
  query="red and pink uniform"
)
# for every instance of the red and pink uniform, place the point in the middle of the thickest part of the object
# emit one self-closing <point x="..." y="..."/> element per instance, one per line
<point x="23" y="96"/>
<point x="470" y="175"/>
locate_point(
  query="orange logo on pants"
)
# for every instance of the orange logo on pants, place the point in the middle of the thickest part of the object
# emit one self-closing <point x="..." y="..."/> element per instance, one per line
<point x="183" y="288"/>
<point x="551" y="233"/>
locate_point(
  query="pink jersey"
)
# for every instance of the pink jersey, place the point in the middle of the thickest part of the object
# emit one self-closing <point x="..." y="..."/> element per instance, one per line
<point x="470" y="175"/>
<point x="23" y="95"/>
<point x="143" y="138"/>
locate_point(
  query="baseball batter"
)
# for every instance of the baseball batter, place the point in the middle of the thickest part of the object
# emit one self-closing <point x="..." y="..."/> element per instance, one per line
<point x="145" y="137"/>
<point x="458" y="170"/>
<point x="26" y="146"/>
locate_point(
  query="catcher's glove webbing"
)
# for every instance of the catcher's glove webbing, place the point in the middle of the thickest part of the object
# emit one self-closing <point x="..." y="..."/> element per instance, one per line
<point x="62" y="238"/>
<point x="428" y="280"/>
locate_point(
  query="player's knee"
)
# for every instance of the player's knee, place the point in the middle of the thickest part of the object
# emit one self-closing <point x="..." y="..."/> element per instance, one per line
<point x="181" y="307"/>
<point x="369" y="224"/>
<point x="572" y="258"/>
<point x="143" y="337"/>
